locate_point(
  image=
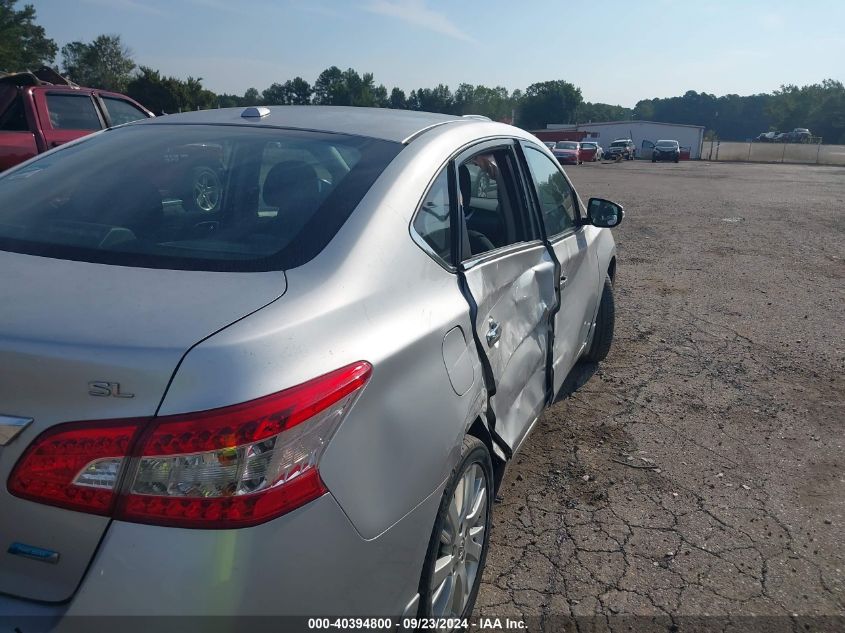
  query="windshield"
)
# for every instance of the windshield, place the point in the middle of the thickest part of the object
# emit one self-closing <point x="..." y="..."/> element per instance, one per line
<point x="619" y="143"/>
<point x="195" y="197"/>
<point x="588" y="145"/>
<point x="566" y="145"/>
<point x="667" y="144"/>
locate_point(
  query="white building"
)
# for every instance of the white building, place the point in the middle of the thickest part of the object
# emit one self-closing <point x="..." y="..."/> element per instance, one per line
<point x="643" y="133"/>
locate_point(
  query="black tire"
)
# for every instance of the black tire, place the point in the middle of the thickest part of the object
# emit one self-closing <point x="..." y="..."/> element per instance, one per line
<point x="605" y="320"/>
<point x="473" y="452"/>
<point x="203" y="190"/>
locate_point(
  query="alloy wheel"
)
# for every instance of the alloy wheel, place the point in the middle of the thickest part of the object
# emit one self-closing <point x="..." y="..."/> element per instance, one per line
<point x="461" y="544"/>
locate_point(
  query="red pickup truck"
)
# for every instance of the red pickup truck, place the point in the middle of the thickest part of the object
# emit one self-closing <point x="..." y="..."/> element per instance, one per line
<point x="41" y="111"/>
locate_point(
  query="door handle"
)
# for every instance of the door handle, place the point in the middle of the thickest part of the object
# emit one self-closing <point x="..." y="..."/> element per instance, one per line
<point x="494" y="333"/>
<point x="562" y="280"/>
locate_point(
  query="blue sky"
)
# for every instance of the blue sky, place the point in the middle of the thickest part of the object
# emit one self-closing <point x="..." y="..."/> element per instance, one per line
<point x="616" y="51"/>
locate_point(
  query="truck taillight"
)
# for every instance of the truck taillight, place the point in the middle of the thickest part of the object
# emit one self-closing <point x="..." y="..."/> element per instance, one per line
<point x="224" y="468"/>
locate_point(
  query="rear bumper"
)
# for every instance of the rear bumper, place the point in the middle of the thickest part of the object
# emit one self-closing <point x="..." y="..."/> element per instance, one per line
<point x="309" y="562"/>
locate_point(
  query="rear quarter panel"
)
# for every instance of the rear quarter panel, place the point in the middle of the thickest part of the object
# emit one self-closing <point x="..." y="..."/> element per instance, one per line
<point x="372" y="295"/>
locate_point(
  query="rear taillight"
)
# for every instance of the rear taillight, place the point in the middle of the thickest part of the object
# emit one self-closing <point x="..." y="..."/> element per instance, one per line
<point x="223" y="468"/>
<point x="75" y="465"/>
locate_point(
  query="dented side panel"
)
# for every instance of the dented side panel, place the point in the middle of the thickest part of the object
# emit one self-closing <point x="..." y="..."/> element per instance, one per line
<point x="515" y="293"/>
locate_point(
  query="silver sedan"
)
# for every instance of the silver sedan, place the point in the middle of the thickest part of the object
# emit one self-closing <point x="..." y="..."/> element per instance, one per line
<point x="299" y="399"/>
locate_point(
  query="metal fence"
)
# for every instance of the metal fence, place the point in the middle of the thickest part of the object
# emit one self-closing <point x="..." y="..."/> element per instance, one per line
<point x="802" y="153"/>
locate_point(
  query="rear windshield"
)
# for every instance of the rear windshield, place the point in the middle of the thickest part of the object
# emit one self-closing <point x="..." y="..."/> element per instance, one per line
<point x="588" y="145"/>
<point x="191" y="197"/>
<point x="566" y="145"/>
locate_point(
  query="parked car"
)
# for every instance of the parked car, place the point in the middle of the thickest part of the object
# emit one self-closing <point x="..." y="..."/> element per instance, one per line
<point x="590" y="151"/>
<point x="799" y="135"/>
<point x="666" y="150"/>
<point x="621" y="147"/>
<point x="568" y="152"/>
<point x="242" y="411"/>
<point x="781" y="137"/>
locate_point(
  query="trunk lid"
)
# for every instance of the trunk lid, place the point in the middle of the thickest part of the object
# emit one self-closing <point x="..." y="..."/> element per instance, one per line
<point x="64" y="324"/>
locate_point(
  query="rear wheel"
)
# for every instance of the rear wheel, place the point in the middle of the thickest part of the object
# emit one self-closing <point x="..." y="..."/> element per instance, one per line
<point x="461" y="536"/>
<point x="605" y="321"/>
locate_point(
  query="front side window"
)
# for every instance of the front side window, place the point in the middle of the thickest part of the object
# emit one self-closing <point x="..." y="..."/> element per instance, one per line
<point x="72" y="112"/>
<point x="433" y="222"/>
<point x="557" y="199"/>
<point x="196" y="197"/>
<point x="121" y="111"/>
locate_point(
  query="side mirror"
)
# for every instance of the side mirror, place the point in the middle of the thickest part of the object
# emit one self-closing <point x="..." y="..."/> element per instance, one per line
<point x="604" y="213"/>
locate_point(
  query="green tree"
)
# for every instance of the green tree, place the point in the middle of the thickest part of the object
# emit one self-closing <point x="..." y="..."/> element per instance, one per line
<point x="299" y="91"/>
<point x="159" y="94"/>
<point x="437" y="99"/>
<point x="251" y="97"/>
<point x="274" y="95"/>
<point x="166" y="95"/>
<point x="104" y="63"/>
<point x="330" y="87"/>
<point x="549" y="102"/>
<point x="397" y="99"/>
<point x="601" y="112"/>
<point x="23" y="44"/>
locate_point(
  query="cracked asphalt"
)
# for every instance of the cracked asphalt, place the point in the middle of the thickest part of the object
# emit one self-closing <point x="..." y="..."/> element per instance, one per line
<point x="694" y="480"/>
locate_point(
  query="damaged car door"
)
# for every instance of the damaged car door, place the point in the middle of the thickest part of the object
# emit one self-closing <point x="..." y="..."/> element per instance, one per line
<point x="509" y="274"/>
<point x="572" y="241"/>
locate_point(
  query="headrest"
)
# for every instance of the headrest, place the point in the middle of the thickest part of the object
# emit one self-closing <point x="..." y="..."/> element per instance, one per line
<point x="290" y="180"/>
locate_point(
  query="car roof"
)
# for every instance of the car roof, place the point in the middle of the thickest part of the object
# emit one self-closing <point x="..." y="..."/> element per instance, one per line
<point x="381" y="123"/>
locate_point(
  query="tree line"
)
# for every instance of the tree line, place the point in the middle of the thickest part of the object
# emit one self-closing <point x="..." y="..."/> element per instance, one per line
<point x="107" y="63"/>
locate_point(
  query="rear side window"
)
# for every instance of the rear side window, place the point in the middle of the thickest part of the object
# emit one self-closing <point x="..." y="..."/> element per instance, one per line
<point x="494" y="212"/>
<point x="14" y="118"/>
<point x="72" y="112"/>
<point x="194" y="197"/>
<point x="433" y="223"/>
<point x="121" y="111"/>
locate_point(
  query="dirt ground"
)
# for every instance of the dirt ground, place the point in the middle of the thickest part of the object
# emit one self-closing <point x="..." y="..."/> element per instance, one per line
<point x="695" y="478"/>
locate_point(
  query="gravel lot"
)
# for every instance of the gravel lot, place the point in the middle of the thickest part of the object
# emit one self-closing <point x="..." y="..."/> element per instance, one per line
<point x="726" y="377"/>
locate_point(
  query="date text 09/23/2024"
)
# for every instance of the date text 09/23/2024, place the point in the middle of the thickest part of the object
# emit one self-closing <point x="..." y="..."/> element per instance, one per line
<point x="414" y="624"/>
